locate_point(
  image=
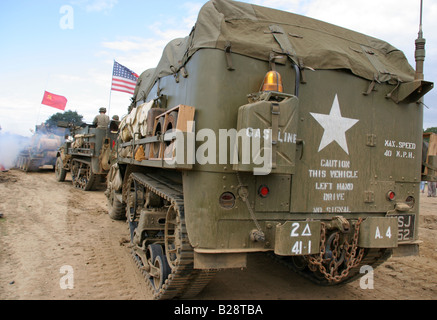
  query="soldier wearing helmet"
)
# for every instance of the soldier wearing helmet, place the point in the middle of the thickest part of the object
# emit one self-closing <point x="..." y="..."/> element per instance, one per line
<point x="101" y="120"/>
<point x="115" y="122"/>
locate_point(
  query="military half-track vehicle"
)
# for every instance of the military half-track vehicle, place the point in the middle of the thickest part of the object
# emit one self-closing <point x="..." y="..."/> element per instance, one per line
<point x="87" y="157"/>
<point x="266" y="131"/>
<point x="429" y="157"/>
<point x="41" y="150"/>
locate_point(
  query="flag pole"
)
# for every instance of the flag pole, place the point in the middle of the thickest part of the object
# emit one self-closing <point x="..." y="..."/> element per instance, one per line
<point x="110" y="89"/>
<point x="45" y="89"/>
<point x="110" y="95"/>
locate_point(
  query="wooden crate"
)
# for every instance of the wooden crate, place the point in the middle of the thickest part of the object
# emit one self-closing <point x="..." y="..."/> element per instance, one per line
<point x="432" y="153"/>
<point x="185" y="115"/>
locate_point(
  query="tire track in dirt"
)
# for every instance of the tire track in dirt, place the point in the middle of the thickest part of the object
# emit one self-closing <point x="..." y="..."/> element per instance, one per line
<point x="53" y="225"/>
<point x="102" y="270"/>
<point x="27" y="243"/>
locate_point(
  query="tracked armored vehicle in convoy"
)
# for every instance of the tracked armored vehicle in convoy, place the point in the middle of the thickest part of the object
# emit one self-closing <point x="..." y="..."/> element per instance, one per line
<point x="266" y="131"/>
<point x="41" y="150"/>
<point x="87" y="157"/>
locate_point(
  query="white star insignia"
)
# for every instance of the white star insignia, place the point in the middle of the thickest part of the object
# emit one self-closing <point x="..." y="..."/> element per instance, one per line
<point x="335" y="126"/>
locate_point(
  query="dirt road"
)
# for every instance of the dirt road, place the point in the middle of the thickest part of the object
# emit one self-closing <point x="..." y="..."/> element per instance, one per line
<point x="58" y="243"/>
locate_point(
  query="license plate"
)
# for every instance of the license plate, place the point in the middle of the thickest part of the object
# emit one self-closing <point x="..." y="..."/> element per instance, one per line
<point x="296" y="238"/>
<point x="406" y="225"/>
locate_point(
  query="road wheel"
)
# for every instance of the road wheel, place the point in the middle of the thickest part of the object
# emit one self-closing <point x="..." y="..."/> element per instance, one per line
<point x="60" y="172"/>
<point x="116" y="208"/>
<point x="82" y="175"/>
<point x="159" y="268"/>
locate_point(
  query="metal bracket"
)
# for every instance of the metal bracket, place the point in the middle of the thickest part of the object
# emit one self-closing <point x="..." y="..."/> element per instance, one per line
<point x="228" y="52"/>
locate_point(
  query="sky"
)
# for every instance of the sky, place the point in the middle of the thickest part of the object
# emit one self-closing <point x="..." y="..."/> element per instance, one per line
<point x="68" y="47"/>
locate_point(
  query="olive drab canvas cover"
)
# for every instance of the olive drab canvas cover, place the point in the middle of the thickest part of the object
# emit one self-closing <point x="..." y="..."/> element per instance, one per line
<point x="257" y="32"/>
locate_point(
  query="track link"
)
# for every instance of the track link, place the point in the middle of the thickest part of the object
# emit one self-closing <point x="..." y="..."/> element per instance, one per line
<point x="184" y="281"/>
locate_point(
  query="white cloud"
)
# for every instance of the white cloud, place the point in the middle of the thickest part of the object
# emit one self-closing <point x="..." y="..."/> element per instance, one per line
<point x="288" y="5"/>
<point x="192" y="10"/>
<point x="138" y="53"/>
<point x="20" y="114"/>
<point x="392" y="18"/>
<point x="127" y="45"/>
<point x="167" y="31"/>
<point x="95" y="5"/>
<point x="101" y="5"/>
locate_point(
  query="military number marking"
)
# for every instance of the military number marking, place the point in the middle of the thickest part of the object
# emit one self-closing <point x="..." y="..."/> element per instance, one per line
<point x="305" y="233"/>
<point x="300" y="246"/>
<point x="378" y="233"/>
<point x="295" y="238"/>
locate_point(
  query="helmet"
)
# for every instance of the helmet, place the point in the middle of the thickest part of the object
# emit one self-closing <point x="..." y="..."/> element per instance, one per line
<point x="115" y="117"/>
<point x="102" y="110"/>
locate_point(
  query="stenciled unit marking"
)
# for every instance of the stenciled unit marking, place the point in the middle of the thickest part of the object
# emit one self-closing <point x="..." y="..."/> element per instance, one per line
<point x="334" y="178"/>
<point x="334" y="126"/>
<point x="341" y="178"/>
<point x="400" y="149"/>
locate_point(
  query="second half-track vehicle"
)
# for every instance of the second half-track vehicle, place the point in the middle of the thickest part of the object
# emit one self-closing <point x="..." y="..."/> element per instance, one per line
<point x="87" y="156"/>
<point x="41" y="150"/>
<point x="266" y="131"/>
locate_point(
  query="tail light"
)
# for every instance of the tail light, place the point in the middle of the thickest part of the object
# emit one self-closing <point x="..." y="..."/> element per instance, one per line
<point x="263" y="191"/>
<point x="272" y="82"/>
<point x="227" y="200"/>
<point x="391" y="195"/>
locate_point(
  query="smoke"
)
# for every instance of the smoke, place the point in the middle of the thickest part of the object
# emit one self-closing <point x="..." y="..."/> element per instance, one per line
<point x="10" y="147"/>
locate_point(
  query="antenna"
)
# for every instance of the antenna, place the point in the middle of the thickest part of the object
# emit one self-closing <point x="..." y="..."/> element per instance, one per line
<point x="420" y="48"/>
<point x="421" y="16"/>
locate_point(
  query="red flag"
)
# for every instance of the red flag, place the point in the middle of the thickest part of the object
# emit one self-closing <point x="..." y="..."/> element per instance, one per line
<point x="53" y="100"/>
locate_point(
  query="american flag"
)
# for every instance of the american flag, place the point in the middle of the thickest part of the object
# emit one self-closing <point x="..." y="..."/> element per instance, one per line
<point x="123" y="79"/>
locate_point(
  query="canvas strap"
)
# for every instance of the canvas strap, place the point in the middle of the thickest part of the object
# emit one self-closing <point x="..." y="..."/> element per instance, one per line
<point x="228" y="56"/>
<point x="284" y="42"/>
<point x="276" y="113"/>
